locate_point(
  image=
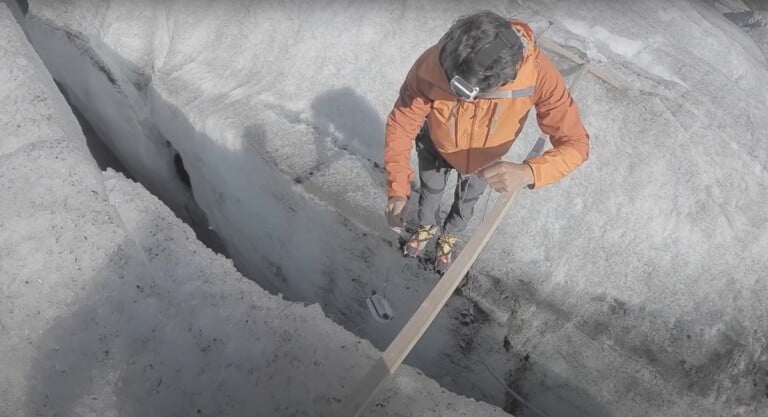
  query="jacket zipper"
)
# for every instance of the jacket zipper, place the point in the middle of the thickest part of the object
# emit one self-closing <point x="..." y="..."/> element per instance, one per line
<point x="494" y="121"/>
<point x="471" y="133"/>
<point x="453" y="123"/>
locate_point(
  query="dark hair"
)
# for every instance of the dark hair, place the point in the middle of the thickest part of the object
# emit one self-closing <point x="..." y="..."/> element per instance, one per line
<point x="468" y="35"/>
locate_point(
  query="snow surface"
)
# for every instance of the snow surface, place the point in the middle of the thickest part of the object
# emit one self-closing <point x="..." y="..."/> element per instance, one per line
<point x="633" y="287"/>
<point x="109" y="305"/>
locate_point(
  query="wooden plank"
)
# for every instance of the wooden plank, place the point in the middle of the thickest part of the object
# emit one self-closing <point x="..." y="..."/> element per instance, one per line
<point x="397" y="351"/>
<point x="555" y="48"/>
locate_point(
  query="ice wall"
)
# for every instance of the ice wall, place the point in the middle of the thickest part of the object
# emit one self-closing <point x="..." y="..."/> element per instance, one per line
<point x="110" y="306"/>
<point x="631" y="288"/>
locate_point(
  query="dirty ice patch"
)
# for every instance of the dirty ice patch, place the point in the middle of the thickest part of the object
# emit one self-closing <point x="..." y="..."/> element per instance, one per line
<point x="625" y="47"/>
<point x="634" y="51"/>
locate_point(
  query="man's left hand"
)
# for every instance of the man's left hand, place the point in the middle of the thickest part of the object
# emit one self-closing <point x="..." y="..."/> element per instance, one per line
<point x="505" y="176"/>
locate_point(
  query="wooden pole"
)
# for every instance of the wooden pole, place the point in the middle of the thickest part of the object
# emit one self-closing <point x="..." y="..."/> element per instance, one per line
<point x="426" y="313"/>
<point x="553" y="47"/>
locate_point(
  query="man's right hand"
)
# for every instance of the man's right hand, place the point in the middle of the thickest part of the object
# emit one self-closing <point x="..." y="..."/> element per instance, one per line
<point x="395" y="213"/>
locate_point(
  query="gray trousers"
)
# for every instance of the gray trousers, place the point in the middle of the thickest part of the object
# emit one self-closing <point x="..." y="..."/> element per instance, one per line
<point x="433" y="175"/>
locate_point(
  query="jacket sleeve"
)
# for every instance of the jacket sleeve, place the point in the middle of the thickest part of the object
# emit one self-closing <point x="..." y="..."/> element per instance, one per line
<point x="558" y="116"/>
<point x="403" y="124"/>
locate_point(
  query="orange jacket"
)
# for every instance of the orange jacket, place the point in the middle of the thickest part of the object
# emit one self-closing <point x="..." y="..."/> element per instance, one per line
<point x="472" y="135"/>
